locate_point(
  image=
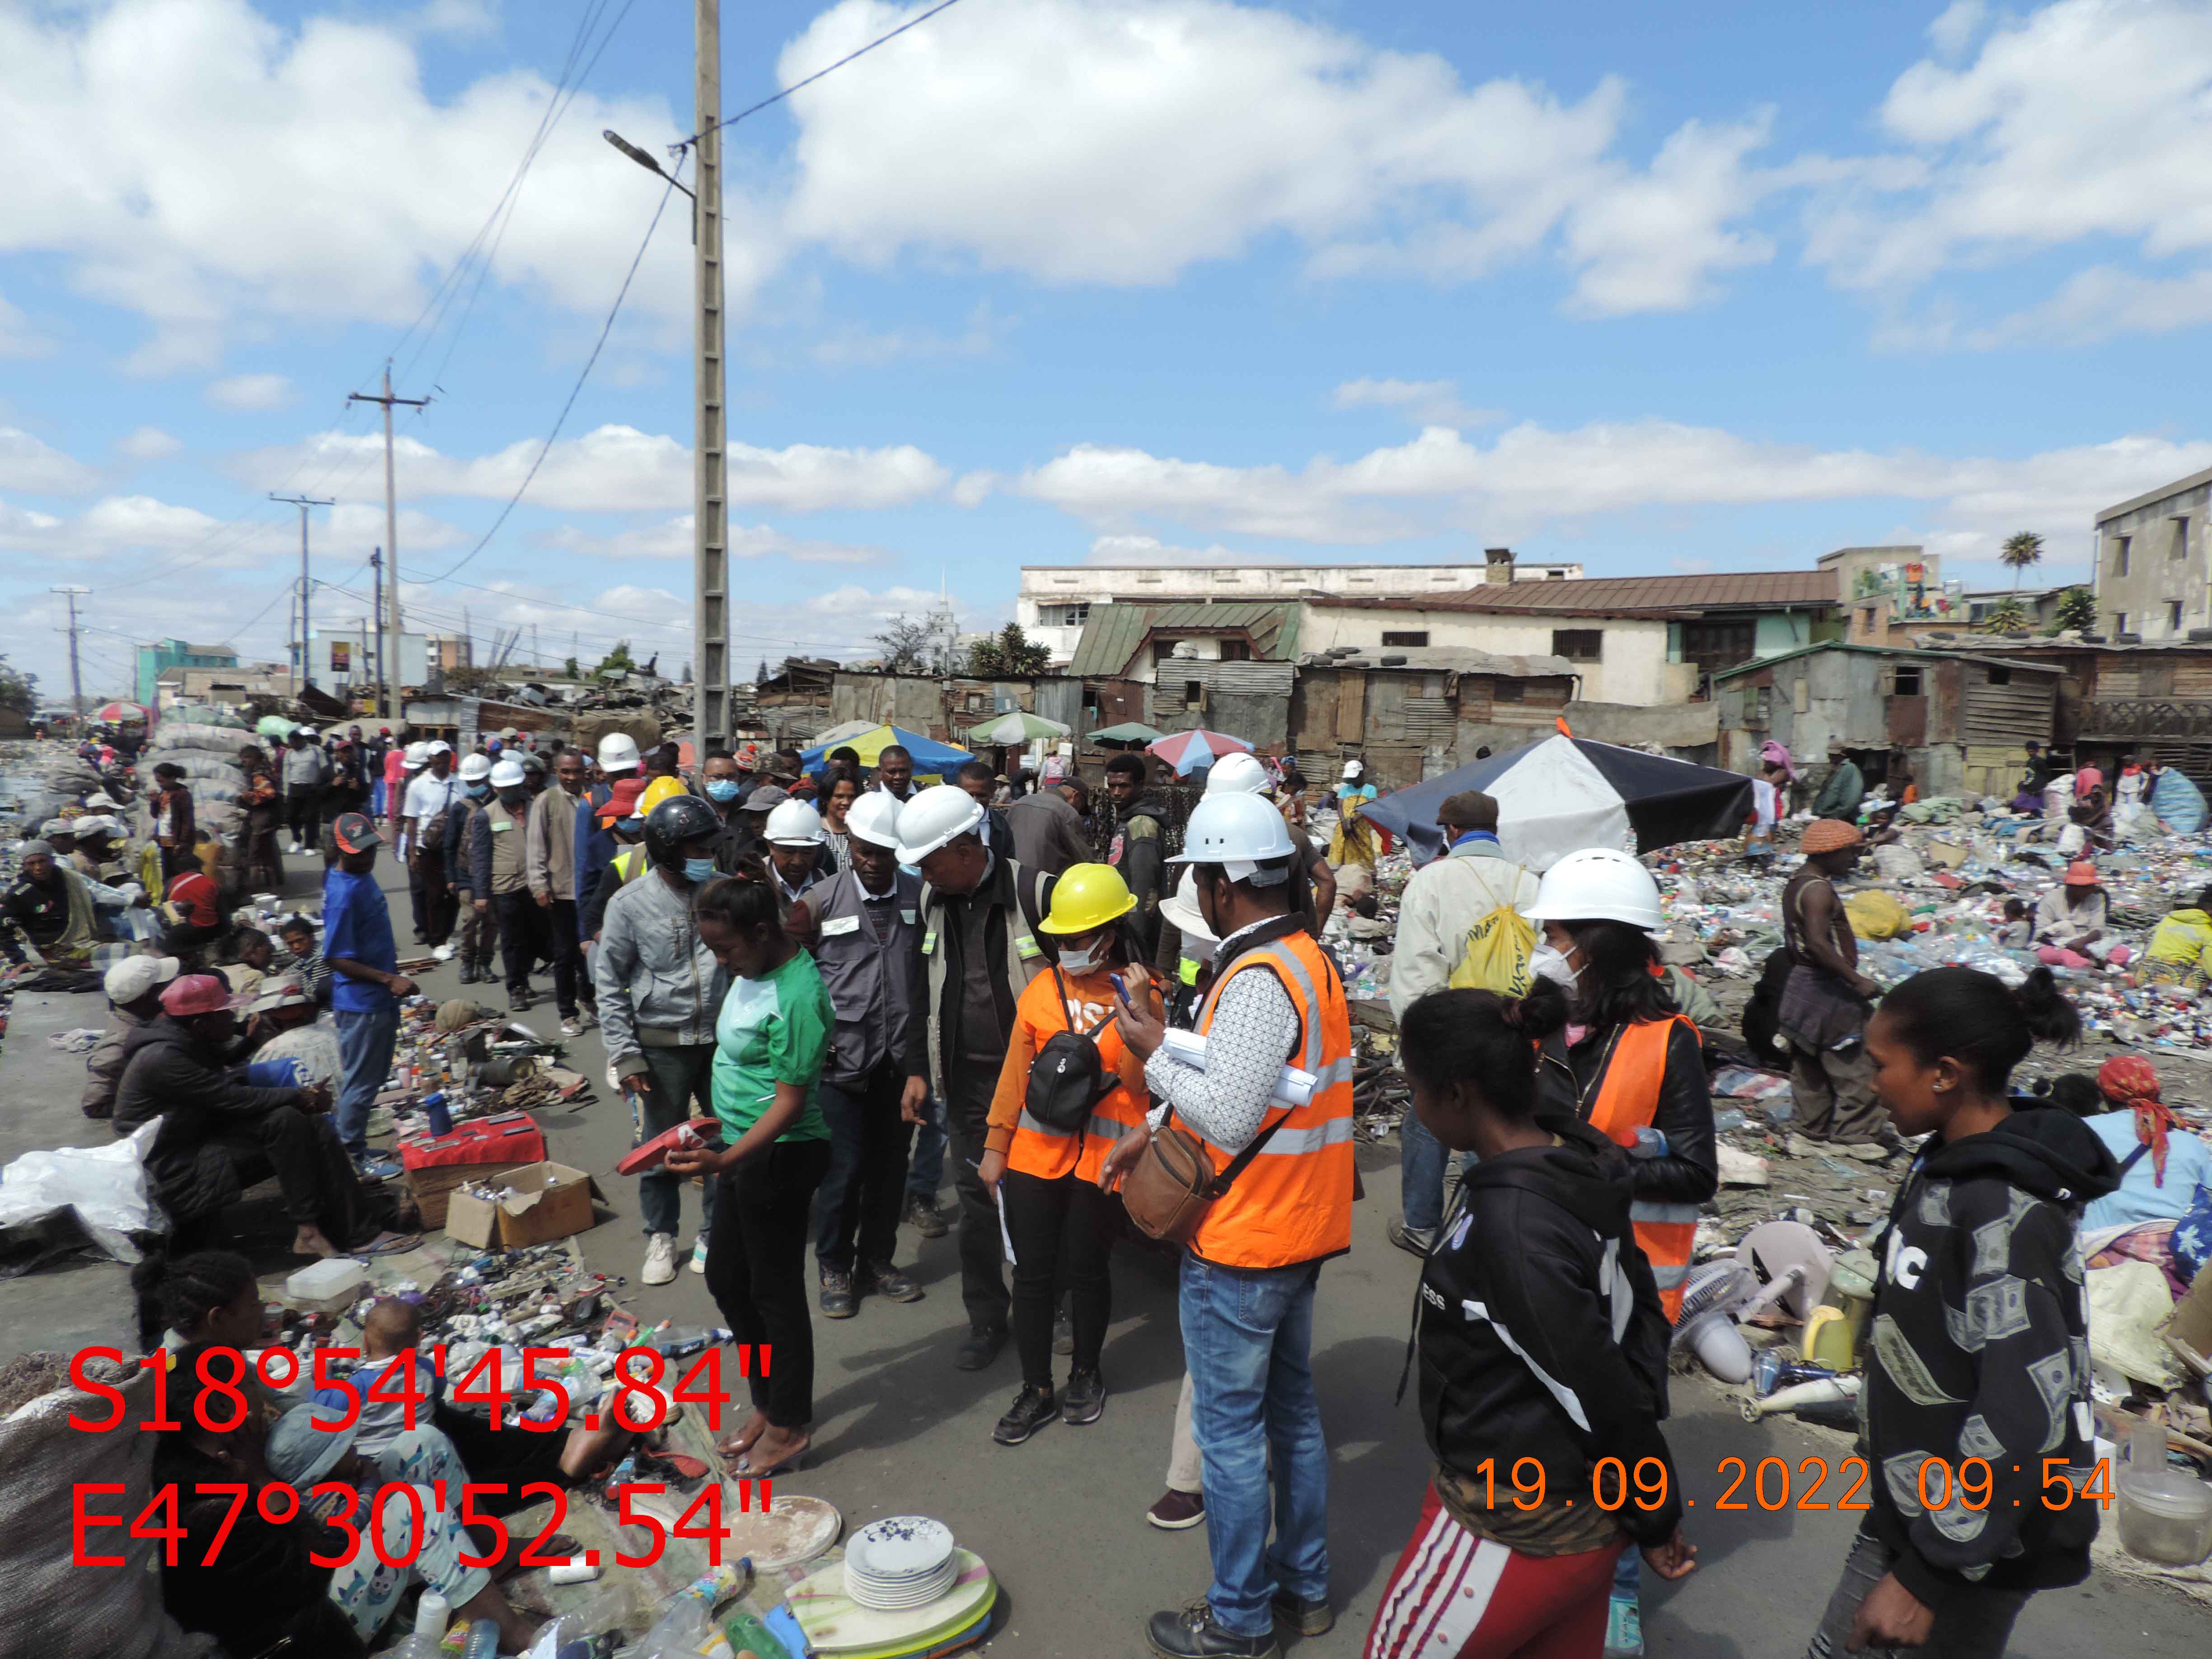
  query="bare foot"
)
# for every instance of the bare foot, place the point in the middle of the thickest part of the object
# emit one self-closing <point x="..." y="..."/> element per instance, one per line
<point x="310" y="1241"/>
<point x="741" y="1441"/>
<point x="774" y="1448"/>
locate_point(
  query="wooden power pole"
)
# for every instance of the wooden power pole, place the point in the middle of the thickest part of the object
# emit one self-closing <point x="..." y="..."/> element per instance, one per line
<point x="389" y="643"/>
<point x="710" y="674"/>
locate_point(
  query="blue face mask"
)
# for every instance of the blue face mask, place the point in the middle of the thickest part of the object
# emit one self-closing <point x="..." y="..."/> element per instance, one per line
<point x="478" y="791"/>
<point x="722" y="789"/>
<point x="698" y="870"/>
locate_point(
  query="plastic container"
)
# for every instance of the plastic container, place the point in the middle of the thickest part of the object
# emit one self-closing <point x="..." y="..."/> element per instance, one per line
<point x="331" y="1286"/>
<point x="2165" y="1514"/>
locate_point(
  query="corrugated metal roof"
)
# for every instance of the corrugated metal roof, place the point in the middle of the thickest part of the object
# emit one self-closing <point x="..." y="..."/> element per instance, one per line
<point x="1113" y="634"/>
<point x="1719" y="590"/>
<point x="1757" y="663"/>
<point x="1446" y="660"/>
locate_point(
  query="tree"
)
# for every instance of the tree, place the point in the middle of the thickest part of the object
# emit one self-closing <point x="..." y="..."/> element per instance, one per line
<point x="569" y="670"/>
<point x="2021" y="550"/>
<point x="616" y="662"/>
<point x="2076" y="608"/>
<point x="905" y="646"/>
<point x="2007" y="616"/>
<point x="1007" y="654"/>
<point x="18" y="691"/>
<point x="760" y="674"/>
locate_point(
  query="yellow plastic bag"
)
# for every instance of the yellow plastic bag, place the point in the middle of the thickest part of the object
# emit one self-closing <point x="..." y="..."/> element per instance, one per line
<point x="1878" y="916"/>
<point x="1495" y="955"/>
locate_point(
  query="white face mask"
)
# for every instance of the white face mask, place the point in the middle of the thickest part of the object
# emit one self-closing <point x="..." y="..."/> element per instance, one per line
<point x="1547" y="961"/>
<point x="1084" y="961"/>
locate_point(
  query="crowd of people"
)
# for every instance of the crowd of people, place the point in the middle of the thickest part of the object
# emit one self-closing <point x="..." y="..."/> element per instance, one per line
<point x="848" y="971"/>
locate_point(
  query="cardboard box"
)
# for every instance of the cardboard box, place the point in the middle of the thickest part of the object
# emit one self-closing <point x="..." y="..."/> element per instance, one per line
<point x="482" y="1148"/>
<point x="548" y="1201"/>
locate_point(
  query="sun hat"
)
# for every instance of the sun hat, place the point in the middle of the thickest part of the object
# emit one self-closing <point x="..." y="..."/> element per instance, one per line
<point x="2081" y="873"/>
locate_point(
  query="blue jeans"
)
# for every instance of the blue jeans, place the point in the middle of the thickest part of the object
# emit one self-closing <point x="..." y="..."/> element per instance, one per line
<point x="1248" y="1338"/>
<point x="1423" y="1163"/>
<point x="925" y="1171"/>
<point x="365" y="1039"/>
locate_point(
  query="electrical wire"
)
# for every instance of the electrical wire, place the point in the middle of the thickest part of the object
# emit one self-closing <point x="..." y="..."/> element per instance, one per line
<point x="911" y="22"/>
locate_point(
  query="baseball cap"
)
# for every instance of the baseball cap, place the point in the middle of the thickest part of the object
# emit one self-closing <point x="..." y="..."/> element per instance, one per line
<point x="196" y="993"/>
<point x="766" y="797"/>
<point x="436" y="746"/>
<point x="355" y="833"/>
<point x="133" y="976"/>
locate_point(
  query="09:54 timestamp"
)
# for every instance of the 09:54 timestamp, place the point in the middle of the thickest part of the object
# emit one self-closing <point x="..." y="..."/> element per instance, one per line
<point x="1938" y="1482"/>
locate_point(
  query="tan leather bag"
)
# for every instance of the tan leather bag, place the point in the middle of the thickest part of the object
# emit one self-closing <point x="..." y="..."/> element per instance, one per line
<point x="1173" y="1185"/>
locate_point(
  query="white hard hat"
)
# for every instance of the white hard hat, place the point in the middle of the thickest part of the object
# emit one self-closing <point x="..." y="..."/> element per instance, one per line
<point x="942" y="813"/>
<point x="1236" y="832"/>
<point x="795" y="824"/>
<point x="874" y="819"/>
<point x="1237" y="774"/>
<point x="416" y="758"/>
<point x="617" y="752"/>
<point x="1181" y="907"/>
<point x="1598" y="884"/>
<point x="436" y="746"/>
<point x="476" y="768"/>
<point x="509" y="775"/>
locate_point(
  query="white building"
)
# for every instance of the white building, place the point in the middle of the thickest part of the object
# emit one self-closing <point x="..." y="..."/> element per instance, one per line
<point x="338" y="658"/>
<point x="1055" y="600"/>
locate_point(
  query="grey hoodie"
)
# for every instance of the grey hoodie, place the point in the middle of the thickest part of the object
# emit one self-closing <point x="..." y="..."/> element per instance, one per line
<point x="660" y="987"/>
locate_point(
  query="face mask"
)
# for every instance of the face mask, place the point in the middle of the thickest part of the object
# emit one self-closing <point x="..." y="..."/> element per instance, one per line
<point x="512" y="799"/>
<point x="698" y="870"/>
<point x="722" y="789"/>
<point x="479" y="791"/>
<point x="1546" y="961"/>
<point x="1084" y="961"/>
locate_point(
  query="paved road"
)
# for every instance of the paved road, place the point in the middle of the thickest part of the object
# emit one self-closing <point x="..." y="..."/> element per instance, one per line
<point x="898" y="1429"/>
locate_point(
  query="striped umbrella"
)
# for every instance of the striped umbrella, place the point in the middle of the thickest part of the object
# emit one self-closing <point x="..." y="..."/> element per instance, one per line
<point x="1014" y="729"/>
<point x="1188" y="751"/>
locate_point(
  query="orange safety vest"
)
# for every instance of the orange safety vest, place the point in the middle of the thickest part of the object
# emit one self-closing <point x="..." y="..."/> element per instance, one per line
<point x="1293" y="1201"/>
<point x="1627" y="1098"/>
<point x="1049" y="1154"/>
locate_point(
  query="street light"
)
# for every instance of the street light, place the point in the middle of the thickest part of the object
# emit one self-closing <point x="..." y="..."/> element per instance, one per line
<point x="644" y="159"/>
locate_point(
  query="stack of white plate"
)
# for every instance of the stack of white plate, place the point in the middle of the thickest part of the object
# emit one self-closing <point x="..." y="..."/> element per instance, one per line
<point x="901" y="1561"/>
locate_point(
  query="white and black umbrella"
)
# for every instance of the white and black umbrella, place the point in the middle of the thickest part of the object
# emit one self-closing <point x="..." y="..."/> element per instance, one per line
<point x="1564" y="793"/>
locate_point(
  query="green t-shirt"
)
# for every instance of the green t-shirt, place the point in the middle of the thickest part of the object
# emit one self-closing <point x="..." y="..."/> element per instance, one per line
<point x="773" y="1031"/>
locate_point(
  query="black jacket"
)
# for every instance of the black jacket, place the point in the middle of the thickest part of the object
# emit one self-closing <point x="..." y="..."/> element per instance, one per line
<point x="1540" y="1330"/>
<point x="199" y="1098"/>
<point x="1567" y="1083"/>
<point x="1140" y="855"/>
<point x="1979" y="1347"/>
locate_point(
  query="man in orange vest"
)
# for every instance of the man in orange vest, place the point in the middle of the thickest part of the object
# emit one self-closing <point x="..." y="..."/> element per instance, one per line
<point x="1249" y="1274"/>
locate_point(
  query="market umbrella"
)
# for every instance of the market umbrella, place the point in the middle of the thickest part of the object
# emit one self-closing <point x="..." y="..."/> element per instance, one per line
<point x="1188" y="751"/>
<point x="1563" y="793"/>
<point x="931" y="757"/>
<point x="845" y="733"/>
<point x="111" y="714"/>
<point x="1129" y="731"/>
<point x="1012" y="729"/>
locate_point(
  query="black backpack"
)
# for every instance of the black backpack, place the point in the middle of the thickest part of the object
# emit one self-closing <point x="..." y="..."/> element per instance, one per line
<point x="1068" y="1076"/>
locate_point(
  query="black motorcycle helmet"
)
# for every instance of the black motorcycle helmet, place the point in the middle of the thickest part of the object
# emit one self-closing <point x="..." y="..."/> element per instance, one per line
<point x="673" y="824"/>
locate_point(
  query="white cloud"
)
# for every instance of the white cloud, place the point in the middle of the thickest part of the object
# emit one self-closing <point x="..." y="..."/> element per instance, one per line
<point x="1428" y="402"/>
<point x="1957" y="28"/>
<point x="1152" y="550"/>
<point x="2099" y="304"/>
<point x="1657" y="241"/>
<point x="1533" y="476"/>
<point x="2086" y="119"/>
<point x="245" y="391"/>
<point x="35" y="466"/>
<point x="869" y="348"/>
<point x="148" y="140"/>
<point x="1151" y="134"/>
<point x="675" y="538"/>
<point x="118" y="527"/>
<point x="18" y="339"/>
<point x="148" y="443"/>
<point x="617" y="469"/>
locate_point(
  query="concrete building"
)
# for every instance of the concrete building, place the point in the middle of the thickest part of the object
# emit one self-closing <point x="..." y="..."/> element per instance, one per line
<point x="163" y="654"/>
<point x="1961" y="719"/>
<point x="341" y="657"/>
<point x="1901" y="583"/>
<point x="2152" y="579"/>
<point x="1640" y="640"/>
<point x="232" y="685"/>
<point x="1055" y="600"/>
<point x="450" y="651"/>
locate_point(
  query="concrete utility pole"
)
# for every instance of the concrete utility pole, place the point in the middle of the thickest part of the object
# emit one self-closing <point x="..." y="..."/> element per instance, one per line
<point x="307" y="586"/>
<point x="391" y="640"/>
<point x="76" y="682"/>
<point x="376" y="590"/>
<point x="710" y="685"/>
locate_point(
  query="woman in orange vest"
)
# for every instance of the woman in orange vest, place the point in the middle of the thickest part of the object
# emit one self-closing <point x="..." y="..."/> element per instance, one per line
<point x="1060" y="1221"/>
<point x="1629" y="1064"/>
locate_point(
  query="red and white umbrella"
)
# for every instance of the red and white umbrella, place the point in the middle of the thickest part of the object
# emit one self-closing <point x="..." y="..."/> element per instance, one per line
<point x="1188" y="751"/>
<point x="111" y="714"/>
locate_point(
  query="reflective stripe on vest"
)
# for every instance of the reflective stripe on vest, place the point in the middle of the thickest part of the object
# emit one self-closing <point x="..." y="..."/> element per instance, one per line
<point x="1627" y="1100"/>
<point x="1293" y="1202"/>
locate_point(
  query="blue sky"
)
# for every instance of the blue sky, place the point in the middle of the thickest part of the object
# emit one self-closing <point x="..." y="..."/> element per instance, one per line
<point x="1051" y="281"/>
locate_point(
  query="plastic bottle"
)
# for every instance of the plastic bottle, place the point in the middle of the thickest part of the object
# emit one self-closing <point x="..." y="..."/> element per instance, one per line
<point x="1724" y="1121"/>
<point x="1650" y="1143"/>
<point x="432" y="1615"/>
<point x="483" y="1640"/>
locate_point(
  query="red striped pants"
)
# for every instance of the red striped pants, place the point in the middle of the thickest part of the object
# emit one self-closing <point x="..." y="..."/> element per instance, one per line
<point x="1456" y="1594"/>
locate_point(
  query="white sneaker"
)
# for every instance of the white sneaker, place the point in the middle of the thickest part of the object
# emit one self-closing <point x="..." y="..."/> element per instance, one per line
<point x="699" y="1256"/>
<point x="660" y="1259"/>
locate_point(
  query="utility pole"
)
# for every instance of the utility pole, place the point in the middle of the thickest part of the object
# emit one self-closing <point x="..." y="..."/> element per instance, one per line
<point x="390" y="640"/>
<point x="76" y="682"/>
<point x="303" y="502"/>
<point x="710" y="685"/>
<point x="535" y="661"/>
<point x="376" y="592"/>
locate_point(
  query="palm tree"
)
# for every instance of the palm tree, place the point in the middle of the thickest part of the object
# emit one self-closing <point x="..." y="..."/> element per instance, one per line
<point x="2007" y="616"/>
<point x="2022" y="550"/>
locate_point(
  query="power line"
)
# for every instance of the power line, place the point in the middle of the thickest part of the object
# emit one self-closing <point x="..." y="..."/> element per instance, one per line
<point x="912" y="23"/>
<point x="574" y="390"/>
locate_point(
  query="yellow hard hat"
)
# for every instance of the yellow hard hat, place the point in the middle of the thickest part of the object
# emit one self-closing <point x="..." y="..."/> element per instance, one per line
<point x="659" y="790"/>
<point x="1088" y="896"/>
